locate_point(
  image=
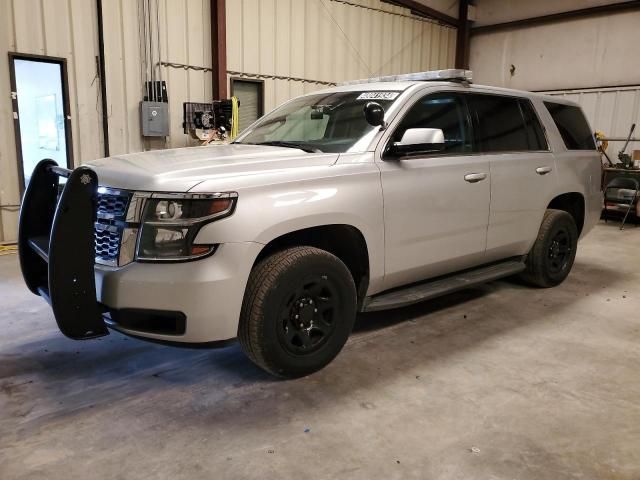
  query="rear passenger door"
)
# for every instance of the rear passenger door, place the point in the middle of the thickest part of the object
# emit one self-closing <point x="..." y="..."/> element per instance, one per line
<point x="508" y="133"/>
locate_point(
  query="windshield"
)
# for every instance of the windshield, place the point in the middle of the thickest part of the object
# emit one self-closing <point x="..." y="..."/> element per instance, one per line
<point x="332" y="122"/>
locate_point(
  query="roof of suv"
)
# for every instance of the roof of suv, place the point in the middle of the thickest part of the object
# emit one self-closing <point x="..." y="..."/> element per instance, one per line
<point x="404" y="85"/>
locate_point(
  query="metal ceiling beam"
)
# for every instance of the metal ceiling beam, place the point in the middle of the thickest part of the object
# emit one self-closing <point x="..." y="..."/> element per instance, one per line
<point x="219" y="49"/>
<point x="422" y="10"/>
<point x="558" y="17"/>
<point x="463" y="36"/>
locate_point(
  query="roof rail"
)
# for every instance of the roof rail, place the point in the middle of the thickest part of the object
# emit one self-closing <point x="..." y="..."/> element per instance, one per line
<point x="449" y="75"/>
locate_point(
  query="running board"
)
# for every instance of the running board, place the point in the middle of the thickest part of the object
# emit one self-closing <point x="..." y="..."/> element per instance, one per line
<point x="442" y="286"/>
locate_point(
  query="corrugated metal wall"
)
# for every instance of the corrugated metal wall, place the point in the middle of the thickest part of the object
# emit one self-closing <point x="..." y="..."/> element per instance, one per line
<point x="59" y="28"/>
<point x="609" y="110"/>
<point x="330" y="41"/>
<point x="185" y="38"/>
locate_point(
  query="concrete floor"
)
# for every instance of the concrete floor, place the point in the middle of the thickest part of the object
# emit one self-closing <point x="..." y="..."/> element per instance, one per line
<point x="499" y="382"/>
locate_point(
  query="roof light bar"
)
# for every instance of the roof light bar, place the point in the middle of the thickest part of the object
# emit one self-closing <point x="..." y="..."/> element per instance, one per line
<point x="451" y="74"/>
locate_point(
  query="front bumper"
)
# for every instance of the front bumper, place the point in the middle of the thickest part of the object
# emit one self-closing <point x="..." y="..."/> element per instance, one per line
<point x="208" y="292"/>
<point x="202" y="298"/>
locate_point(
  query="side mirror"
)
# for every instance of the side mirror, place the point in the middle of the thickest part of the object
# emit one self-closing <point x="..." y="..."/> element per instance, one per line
<point x="419" y="140"/>
<point x="374" y="114"/>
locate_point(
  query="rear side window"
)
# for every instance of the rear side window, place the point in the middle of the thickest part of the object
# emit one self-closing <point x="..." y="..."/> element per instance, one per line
<point x="500" y="124"/>
<point x="572" y="125"/>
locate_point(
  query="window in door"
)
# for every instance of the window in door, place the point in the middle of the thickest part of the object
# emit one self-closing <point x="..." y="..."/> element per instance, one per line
<point x="446" y="111"/>
<point x="535" y="134"/>
<point x="41" y="112"/>
<point x="500" y="125"/>
<point x="250" y="94"/>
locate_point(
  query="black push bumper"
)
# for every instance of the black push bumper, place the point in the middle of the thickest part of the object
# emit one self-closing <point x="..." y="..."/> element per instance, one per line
<point x="57" y="246"/>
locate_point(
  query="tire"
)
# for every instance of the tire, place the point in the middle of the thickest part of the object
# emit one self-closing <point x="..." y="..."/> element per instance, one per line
<point x="551" y="258"/>
<point x="299" y="284"/>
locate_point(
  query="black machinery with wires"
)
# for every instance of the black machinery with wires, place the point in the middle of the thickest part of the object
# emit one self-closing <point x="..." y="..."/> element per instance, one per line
<point x="201" y="119"/>
<point x="625" y="158"/>
<point x="621" y="180"/>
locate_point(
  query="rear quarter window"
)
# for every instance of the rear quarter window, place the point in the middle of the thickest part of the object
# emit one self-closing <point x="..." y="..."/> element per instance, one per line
<point x="572" y="125"/>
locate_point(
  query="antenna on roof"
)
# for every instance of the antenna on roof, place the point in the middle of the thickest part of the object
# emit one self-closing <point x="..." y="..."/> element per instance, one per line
<point x="449" y="75"/>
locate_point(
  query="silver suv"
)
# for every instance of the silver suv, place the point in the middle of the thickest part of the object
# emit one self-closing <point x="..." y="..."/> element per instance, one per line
<point x="368" y="196"/>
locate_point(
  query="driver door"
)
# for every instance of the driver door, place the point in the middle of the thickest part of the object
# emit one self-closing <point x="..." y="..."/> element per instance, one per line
<point x="436" y="205"/>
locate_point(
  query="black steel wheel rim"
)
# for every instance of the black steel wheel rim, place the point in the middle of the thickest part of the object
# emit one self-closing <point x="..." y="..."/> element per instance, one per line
<point x="560" y="250"/>
<point x="308" y="317"/>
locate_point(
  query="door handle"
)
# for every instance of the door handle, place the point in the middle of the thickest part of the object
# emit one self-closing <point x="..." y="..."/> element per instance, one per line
<point x="543" y="170"/>
<point x="475" y="177"/>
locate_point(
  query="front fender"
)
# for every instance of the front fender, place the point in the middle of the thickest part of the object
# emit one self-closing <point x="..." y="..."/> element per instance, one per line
<point x="348" y="194"/>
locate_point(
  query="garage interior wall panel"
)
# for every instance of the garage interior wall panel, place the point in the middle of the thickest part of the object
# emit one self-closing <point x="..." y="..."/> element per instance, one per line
<point x="57" y="28"/>
<point x="598" y="51"/>
<point x="611" y="111"/>
<point x="329" y="41"/>
<point x="185" y="38"/>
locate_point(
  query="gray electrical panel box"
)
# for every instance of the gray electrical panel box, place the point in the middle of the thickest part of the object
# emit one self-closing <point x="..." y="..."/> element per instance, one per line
<point x="154" y="117"/>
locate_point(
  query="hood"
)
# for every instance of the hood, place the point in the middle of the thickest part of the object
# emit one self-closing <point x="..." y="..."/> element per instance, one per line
<point x="181" y="169"/>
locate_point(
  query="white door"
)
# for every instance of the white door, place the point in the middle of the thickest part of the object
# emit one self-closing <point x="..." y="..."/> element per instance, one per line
<point x="41" y="116"/>
<point x="436" y="205"/>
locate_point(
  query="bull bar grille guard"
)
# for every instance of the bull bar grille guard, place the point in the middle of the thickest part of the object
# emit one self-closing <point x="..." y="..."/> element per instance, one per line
<point x="56" y="247"/>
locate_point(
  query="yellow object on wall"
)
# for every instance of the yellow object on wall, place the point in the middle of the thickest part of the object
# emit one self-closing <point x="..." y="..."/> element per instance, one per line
<point x="235" y="118"/>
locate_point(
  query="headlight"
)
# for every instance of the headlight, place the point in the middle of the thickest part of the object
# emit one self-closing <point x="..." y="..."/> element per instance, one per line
<point x="170" y="224"/>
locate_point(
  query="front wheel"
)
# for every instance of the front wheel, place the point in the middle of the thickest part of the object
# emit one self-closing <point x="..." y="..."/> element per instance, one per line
<point x="553" y="253"/>
<point x="298" y="311"/>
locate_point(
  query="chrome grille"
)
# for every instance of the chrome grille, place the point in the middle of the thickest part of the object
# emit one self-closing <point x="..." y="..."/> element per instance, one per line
<point x="111" y="212"/>
<point x="107" y="243"/>
<point x="110" y="204"/>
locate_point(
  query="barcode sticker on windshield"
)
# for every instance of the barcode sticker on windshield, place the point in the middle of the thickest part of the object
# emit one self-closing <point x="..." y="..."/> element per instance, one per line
<point x="378" y="96"/>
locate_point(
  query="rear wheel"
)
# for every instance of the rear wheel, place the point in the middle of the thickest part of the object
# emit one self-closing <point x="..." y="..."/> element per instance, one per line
<point x="553" y="253"/>
<point x="298" y="311"/>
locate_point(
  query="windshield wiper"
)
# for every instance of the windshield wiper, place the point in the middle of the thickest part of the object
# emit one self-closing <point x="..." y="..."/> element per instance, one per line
<point x="279" y="143"/>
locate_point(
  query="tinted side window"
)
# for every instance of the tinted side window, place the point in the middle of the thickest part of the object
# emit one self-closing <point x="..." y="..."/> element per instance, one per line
<point x="572" y="125"/>
<point x="535" y="135"/>
<point x="500" y="126"/>
<point x="446" y="111"/>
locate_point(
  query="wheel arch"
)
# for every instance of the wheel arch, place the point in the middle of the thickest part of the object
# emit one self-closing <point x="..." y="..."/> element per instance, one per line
<point x="342" y="240"/>
<point x="574" y="204"/>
